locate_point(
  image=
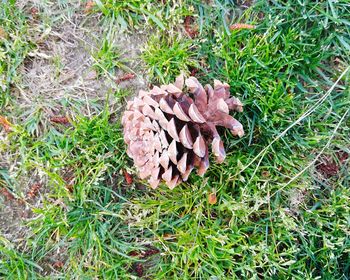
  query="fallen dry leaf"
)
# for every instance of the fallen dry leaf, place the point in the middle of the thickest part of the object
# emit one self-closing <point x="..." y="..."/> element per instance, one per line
<point x="128" y="177"/>
<point x="194" y="71"/>
<point x="34" y="12"/>
<point x="342" y="156"/>
<point x="69" y="187"/>
<point x="150" y="252"/>
<point x="189" y="27"/>
<point x="169" y="236"/>
<point x="5" y="124"/>
<point x="60" y="120"/>
<point x="138" y="268"/>
<point x="89" y="6"/>
<point x="33" y="191"/>
<point x="126" y="77"/>
<point x="58" y="264"/>
<point x="212" y="199"/>
<point x="133" y="254"/>
<point x="3" y="34"/>
<point x="5" y="192"/>
<point x="238" y="26"/>
<point x="330" y="167"/>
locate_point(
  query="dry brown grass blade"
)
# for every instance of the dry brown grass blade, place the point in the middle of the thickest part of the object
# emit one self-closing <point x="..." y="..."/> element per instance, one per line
<point x="126" y="77"/>
<point x="238" y="26"/>
<point x="33" y="191"/>
<point x="89" y="6"/>
<point x="3" y="33"/>
<point x="5" y="124"/>
<point x="212" y="199"/>
<point x="5" y="192"/>
<point x="60" y="120"/>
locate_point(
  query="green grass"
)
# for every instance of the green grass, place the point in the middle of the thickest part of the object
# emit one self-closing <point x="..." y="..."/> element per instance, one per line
<point x="15" y="265"/>
<point x="276" y="216"/>
<point x="91" y="154"/>
<point x="138" y="14"/>
<point x="127" y="13"/>
<point x="14" y="46"/>
<point x="108" y="58"/>
<point x="166" y="59"/>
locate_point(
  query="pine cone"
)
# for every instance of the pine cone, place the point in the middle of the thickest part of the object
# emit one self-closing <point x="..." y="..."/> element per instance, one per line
<point x="168" y="132"/>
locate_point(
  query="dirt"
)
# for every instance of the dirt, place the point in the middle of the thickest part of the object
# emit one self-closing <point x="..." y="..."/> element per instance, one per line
<point x="245" y="3"/>
<point x="18" y="195"/>
<point x="148" y="256"/>
<point x="329" y="166"/>
<point x="58" y="80"/>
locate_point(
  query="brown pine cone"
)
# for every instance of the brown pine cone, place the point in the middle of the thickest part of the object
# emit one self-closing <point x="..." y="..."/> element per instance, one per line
<point x="168" y="132"/>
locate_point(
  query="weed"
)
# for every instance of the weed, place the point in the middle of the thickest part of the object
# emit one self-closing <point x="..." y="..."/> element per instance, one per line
<point x="166" y="58"/>
<point x="108" y="58"/>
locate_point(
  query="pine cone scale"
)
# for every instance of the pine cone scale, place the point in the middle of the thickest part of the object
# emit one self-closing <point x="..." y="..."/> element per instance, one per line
<point x="195" y="115"/>
<point x="172" y="130"/>
<point x="186" y="137"/>
<point x="179" y="112"/>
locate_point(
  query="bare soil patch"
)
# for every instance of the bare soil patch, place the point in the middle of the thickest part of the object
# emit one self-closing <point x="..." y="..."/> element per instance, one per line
<point x="58" y="80"/>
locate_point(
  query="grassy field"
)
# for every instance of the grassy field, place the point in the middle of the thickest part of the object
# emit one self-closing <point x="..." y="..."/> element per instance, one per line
<point x="71" y="205"/>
